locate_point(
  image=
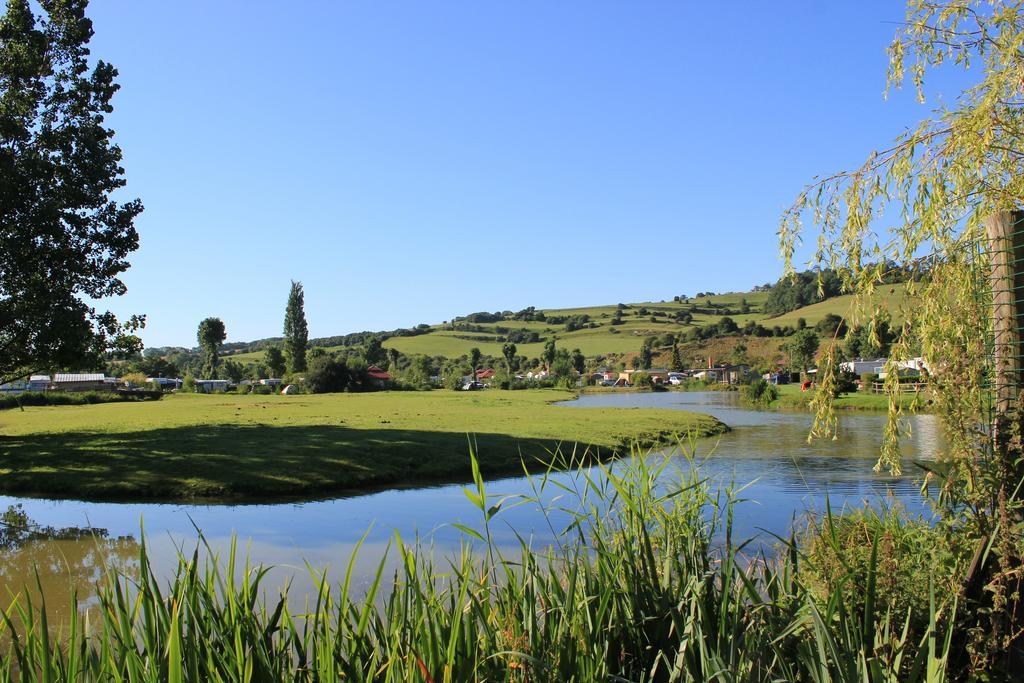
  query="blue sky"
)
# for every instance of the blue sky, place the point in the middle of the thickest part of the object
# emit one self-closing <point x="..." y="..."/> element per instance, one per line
<point x="413" y="161"/>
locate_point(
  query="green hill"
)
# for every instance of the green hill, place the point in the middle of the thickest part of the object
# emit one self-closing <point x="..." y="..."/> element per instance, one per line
<point x="639" y="321"/>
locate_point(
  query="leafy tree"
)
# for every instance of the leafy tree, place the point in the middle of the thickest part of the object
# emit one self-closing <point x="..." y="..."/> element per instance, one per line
<point x="275" y="360"/>
<point x="296" y="332"/>
<point x="393" y="356"/>
<point x="871" y="340"/>
<point x="374" y="353"/>
<point x="155" y="366"/>
<point x="727" y="325"/>
<point x="474" y="362"/>
<point x="327" y="374"/>
<point x="647" y="353"/>
<point x="63" y="238"/>
<point x="549" y="354"/>
<point x="802" y="349"/>
<point x="579" y="361"/>
<point x="232" y="370"/>
<point x="562" y="371"/>
<point x="211" y="335"/>
<point x="831" y="326"/>
<point x="509" y="352"/>
<point x="677" y="359"/>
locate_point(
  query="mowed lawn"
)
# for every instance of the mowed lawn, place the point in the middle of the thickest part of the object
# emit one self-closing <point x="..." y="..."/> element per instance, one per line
<point x="235" y="447"/>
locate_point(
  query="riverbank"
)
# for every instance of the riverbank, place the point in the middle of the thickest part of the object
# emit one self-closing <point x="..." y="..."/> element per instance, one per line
<point x="234" y="448"/>
<point x="792" y="398"/>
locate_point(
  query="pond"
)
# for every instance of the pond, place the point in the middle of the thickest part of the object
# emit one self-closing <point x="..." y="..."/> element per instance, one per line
<point x="766" y="450"/>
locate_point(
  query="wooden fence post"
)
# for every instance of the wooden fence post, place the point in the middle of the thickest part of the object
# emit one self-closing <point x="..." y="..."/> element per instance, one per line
<point x="1006" y="248"/>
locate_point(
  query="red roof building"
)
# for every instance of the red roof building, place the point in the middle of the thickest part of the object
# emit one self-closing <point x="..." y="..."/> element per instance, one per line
<point x="375" y="373"/>
<point x="484" y="374"/>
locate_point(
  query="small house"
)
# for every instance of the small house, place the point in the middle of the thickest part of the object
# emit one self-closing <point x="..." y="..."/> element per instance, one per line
<point x="84" y="382"/>
<point x="377" y="377"/>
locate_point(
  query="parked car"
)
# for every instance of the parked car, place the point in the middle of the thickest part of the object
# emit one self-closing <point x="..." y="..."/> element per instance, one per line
<point x="472" y="386"/>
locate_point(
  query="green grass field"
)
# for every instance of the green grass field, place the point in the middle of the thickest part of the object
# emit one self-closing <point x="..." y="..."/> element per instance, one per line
<point x="891" y="297"/>
<point x="791" y="397"/>
<point x="242" y="446"/>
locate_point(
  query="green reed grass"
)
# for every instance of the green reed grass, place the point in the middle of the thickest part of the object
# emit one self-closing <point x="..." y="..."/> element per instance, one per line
<point x="646" y="583"/>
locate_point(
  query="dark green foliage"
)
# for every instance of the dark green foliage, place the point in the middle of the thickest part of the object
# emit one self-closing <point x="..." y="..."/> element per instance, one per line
<point x="523" y="337"/>
<point x="831" y="326"/>
<point x="677" y="360"/>
<point x="61" y="398"/>
<point x="276" y="361"/>
<point x="211" y="335"/>
<point x="579" y="361"/>
<point x="326" y="374"/>
<point x="374" y="353"/>
<point x="760" y="392"/>
<point x="647" y="353"/>
<point x="296" y="331"/>
<point x="860" y="344"/>
<point x="802" y="349"/>
<point x="509" y="352"/>
<point x="64" y="241"/>
<point x="548" y="356"/>
<point x="802" y="289"/>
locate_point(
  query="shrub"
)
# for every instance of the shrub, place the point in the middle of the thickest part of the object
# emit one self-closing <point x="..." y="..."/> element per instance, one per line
<point x="760" y="392"/>
<point x="60" y="398"/>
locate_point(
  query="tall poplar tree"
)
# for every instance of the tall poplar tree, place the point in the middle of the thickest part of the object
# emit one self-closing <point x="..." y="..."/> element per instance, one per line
<point x="211" y="335"/>
<point x="296" y="332"/>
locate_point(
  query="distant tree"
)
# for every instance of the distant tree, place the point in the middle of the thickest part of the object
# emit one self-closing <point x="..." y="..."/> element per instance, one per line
<point x="232" y="370"/>
<point x="562" y="369"/>
<point x="549" y="354"/>
<point x="327" y="374"/>
<point x="374" y="352"/>
<point x="156" y="366"/>
<point x="211" y="335"/>
<point x="275" y="360"/>
<point x="863" y="342"/>
<point x="677" y="359"/>
<point x="684" y="317"/>
<point x="64" y="240"/>
<point x="474" y="362"/>
<point x="393" y="356"/>
<point x="420" y="370"/>
<point x="509" y="351"/>
<point x="831" y="325"/>
<point x="802" y="348"/>
<point x="801" y="323"/>
<point x="579" y="361"/>
<point x="647" y="353"/>
<point x="727" y="325"/>
<point x="744" y="306"/>
<point x="296" y="332"/>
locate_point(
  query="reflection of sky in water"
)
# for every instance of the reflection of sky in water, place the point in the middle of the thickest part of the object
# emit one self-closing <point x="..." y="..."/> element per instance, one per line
<point x="767" y="451"/>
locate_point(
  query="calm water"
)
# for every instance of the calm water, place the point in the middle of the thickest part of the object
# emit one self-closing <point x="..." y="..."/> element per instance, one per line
<point x="767" y="450"/>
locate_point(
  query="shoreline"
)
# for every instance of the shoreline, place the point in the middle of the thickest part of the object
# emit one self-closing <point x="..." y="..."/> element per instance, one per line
<point x="233" y="449"/>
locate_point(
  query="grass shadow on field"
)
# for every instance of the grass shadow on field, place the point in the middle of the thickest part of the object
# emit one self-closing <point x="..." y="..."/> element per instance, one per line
<point x="235" y="462"/>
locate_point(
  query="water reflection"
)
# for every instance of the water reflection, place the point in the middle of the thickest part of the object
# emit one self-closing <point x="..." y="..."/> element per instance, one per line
<point x="767" y="450"/>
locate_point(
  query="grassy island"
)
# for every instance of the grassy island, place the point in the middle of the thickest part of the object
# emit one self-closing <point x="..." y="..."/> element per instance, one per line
<point x="236" y="447"/>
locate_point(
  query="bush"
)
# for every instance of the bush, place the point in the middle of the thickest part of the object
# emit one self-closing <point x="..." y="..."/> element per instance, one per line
<point x="60" y="398"/>
<point x="327" y="374"/>
<point x="760" y="392"/>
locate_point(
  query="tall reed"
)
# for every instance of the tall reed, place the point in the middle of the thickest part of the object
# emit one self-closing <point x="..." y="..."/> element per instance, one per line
<point x="646" y="583"/>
